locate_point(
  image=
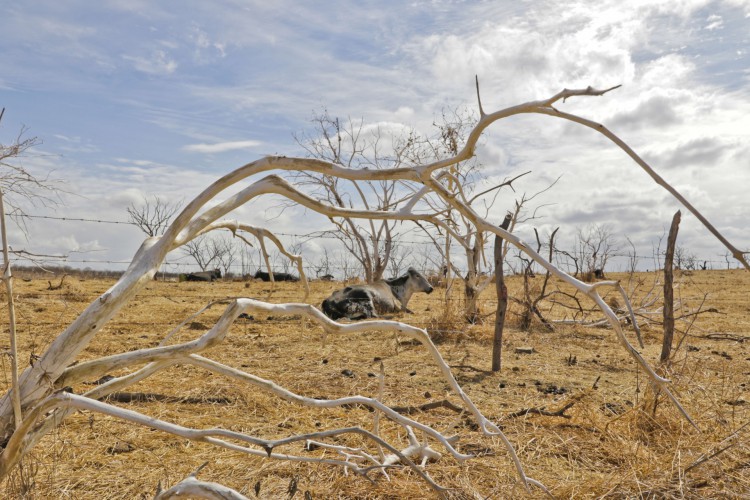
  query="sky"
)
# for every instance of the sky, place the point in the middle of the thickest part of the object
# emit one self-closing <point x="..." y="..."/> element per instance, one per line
<point x="135" y="99"/>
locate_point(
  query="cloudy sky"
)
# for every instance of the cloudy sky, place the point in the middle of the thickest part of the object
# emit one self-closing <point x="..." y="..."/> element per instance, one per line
<point x="134" y="98"/>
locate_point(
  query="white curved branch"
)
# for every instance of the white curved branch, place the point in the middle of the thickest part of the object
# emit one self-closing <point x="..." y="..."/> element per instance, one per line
<point x="163" y="356"/>
<point x="414" y="333"/>
<point x="215" y="436"/>
<point x="37" y="382"/>
<point x="98" y="367"/>
<point x="736" y="253"/>
<point x="589" y="290"/>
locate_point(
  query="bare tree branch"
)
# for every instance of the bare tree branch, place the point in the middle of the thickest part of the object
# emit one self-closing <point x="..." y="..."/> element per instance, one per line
<point x="44" y="408"/>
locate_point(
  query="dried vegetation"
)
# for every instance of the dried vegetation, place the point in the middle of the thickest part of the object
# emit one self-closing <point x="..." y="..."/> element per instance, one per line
<point x="582" y="417"/>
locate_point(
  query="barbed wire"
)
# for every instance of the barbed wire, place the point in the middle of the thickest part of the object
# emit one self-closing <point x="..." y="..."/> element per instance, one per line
<point x="310" y="268"/>
<point x="76" y="219"/>
<point x="314" y="234"/>
<point x="323" y="234"/>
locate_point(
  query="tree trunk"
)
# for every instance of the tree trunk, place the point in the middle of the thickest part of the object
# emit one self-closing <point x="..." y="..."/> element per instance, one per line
<point x="666" y="346"/>
<point x="502" y="298"/>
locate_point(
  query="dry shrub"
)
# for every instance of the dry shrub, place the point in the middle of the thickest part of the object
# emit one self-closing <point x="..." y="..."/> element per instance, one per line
<point x="448" y="324"/>
<point x="22" y="481"/>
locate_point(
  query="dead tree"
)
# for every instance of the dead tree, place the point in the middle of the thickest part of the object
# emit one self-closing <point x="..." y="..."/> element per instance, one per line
<point x="40" y="387"/>
<point x="20" y="186"/>
<point x="532" y="296"/>
<point x="595" y="245"/>
<point x="369" y="242"/>
<point x="152" y="216"/>
<point x="462" y="181"/>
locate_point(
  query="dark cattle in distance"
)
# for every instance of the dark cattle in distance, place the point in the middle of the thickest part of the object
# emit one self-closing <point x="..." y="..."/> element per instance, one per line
<point x="201" y="276"/>
<point x="276" y="276"/>
<point x="384" y="296"/>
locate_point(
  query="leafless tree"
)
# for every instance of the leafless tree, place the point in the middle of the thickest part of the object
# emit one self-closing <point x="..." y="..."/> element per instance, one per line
<point x="632" y="258"/>
<point x="684" y="259"/>
<point x="226" y="253"/>
<point x="204" y="250"/>
<point x="727" y="258"/>
<point x="323" y="267"/>
<point x="533" y="294"/>
<point x="21" y="187"/>
<point x="246" y="256"/>
<point x="595" y="245"/>
<point x="353" y="145"/>
<point x="152" y="215"/>
<point x="45" y="404"/>
<point x="400" y="254"/>
<point x="350" y="267"/>
<point x="462" y="180"/>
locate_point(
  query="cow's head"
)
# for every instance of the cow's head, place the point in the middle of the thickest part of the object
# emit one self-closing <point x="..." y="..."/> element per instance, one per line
<point x="418" y="282"/>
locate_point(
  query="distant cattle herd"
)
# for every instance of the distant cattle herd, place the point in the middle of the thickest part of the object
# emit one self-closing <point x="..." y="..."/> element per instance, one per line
<point x="201" y="276"/>
<point x="276" y="276"/>
<point x="215" y="274"/>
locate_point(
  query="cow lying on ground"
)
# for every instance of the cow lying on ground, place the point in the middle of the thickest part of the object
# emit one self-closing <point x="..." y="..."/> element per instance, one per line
<point x="201" y="276"/>
<point x="276" y="276"/>
<point x="367" y="301"/>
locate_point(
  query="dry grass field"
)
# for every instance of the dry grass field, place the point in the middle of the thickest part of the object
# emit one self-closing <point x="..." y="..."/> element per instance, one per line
<point x="614" y="439"/>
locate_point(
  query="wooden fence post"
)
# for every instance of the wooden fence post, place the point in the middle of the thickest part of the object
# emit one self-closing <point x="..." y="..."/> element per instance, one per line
<point x="502" y="298"/>
<point x="668" y="311"/>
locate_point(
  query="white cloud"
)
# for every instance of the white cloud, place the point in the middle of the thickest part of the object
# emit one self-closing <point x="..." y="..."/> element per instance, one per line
<point x="714" y="22"/>
<point x="205" y="49"/>
<point x="656" y="109"/>
<point x="252" y="70"/>
<point x="404" y="113"/>
<point x="221" y="147"/>
<point x="158" y="63"/>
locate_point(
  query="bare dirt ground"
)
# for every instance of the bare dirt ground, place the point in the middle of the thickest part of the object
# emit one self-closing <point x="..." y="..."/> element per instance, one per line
<point x="613" y="440"/>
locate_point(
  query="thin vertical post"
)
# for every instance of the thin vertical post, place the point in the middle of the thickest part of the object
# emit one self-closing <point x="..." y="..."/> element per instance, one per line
<point x="8" y="280"/>
<point x="502" y="298"/>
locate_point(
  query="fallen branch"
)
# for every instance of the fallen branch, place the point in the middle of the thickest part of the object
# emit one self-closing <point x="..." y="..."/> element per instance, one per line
<point x="541" y="411"/>
<point x="726" y="336"/>
<point x="59" y="285"/>
<point x="216" y="436"/>
<point x="443" y="403"/>
<point x="718" y="451"/>
<point x="57" y="364"/>
<point x="148" y="397"/>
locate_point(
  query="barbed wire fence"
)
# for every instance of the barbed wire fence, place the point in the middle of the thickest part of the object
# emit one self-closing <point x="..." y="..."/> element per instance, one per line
<point x="182" y="263"/>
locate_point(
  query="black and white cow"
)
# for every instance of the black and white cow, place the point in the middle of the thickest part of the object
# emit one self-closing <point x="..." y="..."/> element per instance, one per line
<point x="276" y="276"/>
<point x="384" y="296"/>
<point x="201" y="276"/>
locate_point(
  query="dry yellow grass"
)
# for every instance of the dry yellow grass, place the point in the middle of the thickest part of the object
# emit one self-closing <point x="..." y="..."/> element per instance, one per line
<point x="617" y="442"/>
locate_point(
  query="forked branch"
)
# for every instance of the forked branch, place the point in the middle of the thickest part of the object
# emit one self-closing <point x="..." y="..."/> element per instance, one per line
<point x="37" y="383"/>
